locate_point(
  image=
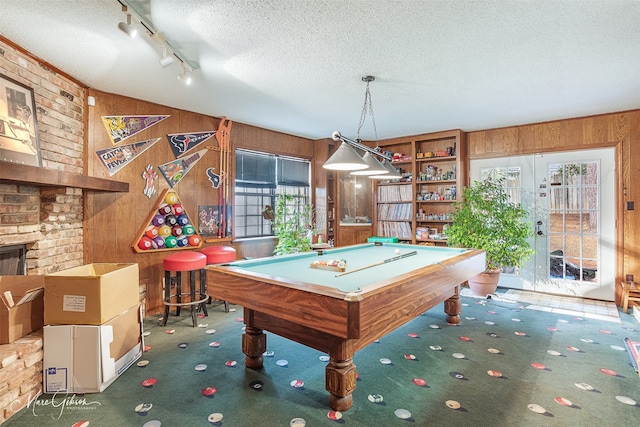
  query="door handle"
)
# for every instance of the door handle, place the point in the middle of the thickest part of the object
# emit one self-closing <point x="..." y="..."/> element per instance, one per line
<point x="539" y="231"/>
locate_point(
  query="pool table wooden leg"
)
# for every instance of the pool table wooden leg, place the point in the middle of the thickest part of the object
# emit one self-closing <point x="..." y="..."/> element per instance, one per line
<point x="254" y="344"/>
<point x="453" y="308"/>
<point x="340" y="375"/>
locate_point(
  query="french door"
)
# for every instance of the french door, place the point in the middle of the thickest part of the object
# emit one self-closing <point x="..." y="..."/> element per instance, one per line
<point x="571" y="200"/>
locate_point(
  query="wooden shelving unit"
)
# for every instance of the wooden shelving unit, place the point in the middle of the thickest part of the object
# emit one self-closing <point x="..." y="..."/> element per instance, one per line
<point x="434" y="168"/>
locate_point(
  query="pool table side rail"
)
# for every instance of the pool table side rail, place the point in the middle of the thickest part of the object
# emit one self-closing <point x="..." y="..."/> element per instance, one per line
<point x="391" y="307"/>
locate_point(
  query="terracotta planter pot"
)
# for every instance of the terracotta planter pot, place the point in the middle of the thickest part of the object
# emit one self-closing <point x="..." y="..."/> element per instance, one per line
<point x="484" y="283"/>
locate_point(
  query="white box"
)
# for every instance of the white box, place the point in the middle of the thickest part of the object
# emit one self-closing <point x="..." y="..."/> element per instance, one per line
<point x="88" y="358"/>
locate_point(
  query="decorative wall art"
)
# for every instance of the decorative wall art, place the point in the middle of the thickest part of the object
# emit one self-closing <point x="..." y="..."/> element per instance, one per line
<point x="210" y="220"/>
<point x="120" y="128"/>
<point x="150" y="177"/>
<point x="181" y="143"/>
<point x="175" y="170"/>
<point x="19" y="141"/>
<point x="115" y="158"/>
<point x="168" y="227"/>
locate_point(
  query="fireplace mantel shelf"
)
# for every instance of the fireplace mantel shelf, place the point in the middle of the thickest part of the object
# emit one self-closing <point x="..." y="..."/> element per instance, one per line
<point x="41" y="177"/>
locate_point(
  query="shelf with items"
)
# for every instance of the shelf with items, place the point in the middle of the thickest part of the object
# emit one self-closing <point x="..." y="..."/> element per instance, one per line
<point x="331" y="210"/>
<point x="433" y="168"/>
<point x="440" y="172"/>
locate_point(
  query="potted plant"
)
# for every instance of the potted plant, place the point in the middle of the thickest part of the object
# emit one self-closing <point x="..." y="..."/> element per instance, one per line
<point x="291" y="226"/>
<point x="486" y="219"/>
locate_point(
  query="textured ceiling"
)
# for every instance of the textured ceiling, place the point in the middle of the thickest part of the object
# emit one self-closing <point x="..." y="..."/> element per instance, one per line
<point x="296" y="65"/>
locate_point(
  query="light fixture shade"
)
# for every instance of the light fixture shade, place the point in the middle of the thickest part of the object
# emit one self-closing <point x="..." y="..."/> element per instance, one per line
<point x="345" y="159"/>
<point x="392" y="173"/>
<point x="375" y="167"/>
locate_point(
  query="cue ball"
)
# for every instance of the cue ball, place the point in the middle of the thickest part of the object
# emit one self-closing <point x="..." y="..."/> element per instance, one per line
<point x="397" y="251"/>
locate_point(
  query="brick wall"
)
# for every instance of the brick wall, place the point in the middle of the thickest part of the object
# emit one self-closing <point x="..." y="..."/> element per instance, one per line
<point x="48" y="219"/>
<point x="20" y="374"/>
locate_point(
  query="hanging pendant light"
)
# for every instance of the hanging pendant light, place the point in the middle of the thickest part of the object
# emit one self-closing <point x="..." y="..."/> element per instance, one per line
<point x="345" y="159"/>
<point x="391" y="172"/>
<point x="374" y="168"/>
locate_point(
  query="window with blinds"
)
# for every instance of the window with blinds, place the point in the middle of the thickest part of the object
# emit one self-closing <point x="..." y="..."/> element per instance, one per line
<point x="260" y="178"/>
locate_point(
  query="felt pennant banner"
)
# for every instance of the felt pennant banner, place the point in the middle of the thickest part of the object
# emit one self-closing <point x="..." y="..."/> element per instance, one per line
<point x="115" y="158"/>
<point x="120" y="128"/>
<point x="175" y="170"/>
<point x="181" y="143"/>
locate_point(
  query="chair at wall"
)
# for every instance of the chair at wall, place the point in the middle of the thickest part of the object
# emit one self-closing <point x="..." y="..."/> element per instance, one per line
<point x="630" y="292"/>
<point x="219" y="255"/>
<point x="175" y="265"/>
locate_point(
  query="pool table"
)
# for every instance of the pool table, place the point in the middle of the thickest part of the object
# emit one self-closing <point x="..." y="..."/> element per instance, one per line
<point x="384" y="285"/>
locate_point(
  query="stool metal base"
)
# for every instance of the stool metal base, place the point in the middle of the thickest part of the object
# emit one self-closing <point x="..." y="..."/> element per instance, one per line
<point x="198" y="297"/>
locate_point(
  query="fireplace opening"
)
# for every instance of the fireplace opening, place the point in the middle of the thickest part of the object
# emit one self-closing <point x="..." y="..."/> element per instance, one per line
<point x="13" y="260"/>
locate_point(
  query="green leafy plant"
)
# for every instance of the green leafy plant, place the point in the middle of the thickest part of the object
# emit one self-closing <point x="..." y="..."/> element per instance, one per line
<point x="291" y="224"/>
<point x="486" y="219"/>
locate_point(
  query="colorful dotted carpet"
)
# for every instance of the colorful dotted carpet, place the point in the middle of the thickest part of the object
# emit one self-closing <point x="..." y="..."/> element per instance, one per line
<point x="503" y="365"/>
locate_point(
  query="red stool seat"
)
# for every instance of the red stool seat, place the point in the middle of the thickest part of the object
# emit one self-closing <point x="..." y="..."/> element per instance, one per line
<point x="185" y="261"/>
<point x="219" y="254"/>
<point x="175" y="265"/>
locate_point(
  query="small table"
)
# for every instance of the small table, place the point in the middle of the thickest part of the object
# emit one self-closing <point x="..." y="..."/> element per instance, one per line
<point x="340" y="315"/>
<point x="630" y="292"/>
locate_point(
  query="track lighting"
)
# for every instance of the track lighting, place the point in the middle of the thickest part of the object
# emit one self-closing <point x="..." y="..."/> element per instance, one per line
<point x="127" y="28"/>
<point x="167" y="58"/>
<point x="185" y="77"/>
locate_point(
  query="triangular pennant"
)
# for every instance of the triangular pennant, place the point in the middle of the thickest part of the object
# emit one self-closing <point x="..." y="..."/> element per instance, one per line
<point x="115" y="158"/>
<point x="181" y="143"/>
<point x="120" y="128"/>
<point x="168" y="227"/>
<point x="177" y="169"/>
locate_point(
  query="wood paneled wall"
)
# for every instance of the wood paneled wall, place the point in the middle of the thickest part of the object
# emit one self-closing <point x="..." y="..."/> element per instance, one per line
<point x="113" y="221"/>
<point x="619" y="130"/>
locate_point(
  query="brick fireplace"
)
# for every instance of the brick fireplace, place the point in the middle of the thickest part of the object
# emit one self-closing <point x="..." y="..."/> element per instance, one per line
<point x="47" y="221"/>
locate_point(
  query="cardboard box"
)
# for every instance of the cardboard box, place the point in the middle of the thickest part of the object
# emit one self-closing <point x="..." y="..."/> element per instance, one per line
<point x="90" y="294"/>
<point x="22" y="308"/>
<point x="88" y="358"/>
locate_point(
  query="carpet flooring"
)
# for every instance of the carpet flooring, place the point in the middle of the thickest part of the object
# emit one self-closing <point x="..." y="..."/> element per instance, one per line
<point x="504" y="365"/>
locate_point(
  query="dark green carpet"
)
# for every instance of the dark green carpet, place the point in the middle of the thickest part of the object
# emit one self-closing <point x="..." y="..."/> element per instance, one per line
<point x="504" y="365"/>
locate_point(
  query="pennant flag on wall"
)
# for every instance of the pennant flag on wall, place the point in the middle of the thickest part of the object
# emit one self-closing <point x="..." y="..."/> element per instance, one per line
<point x="180" y="143"/>
<point x="120" y="128"/>
<point x="115" y="158"/>
<point x="175" y="170"/>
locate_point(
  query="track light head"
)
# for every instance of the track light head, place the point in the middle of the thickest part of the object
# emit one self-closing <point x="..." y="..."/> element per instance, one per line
<point x="167" y="58"/>
<point x="126" y="27"/>
<point x="184" y="77"/>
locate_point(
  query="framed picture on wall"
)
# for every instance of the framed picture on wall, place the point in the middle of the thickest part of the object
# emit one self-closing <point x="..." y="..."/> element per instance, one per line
<point x="19" y="142"/>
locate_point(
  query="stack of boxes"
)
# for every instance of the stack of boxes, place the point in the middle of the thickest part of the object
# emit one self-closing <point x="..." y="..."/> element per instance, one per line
<point x="93" y="326"/>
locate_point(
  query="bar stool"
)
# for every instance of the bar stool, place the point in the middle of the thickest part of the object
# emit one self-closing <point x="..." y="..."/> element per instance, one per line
<point x="179" y="263"/>
<point x="630" y="292"/>
<point x="218" y="255"/>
